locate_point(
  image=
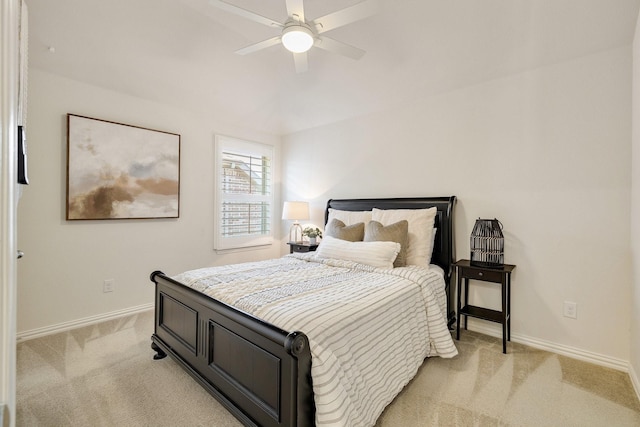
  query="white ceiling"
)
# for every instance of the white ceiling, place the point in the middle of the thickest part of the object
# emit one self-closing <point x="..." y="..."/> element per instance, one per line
<point x="180" y="52"/>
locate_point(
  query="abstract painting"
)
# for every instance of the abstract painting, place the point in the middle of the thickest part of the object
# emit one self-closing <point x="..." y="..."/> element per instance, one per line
<point x="119" y="171"/>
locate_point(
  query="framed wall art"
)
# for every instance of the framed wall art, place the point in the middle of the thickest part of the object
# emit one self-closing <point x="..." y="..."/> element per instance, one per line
<point x="119" y="171"/>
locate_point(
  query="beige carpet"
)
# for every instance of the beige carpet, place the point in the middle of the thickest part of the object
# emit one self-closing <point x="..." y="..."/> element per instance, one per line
<point x="104" y="375"/>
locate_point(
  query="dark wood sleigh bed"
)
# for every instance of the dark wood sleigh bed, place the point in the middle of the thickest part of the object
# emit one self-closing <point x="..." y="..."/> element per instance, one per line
<point x="259" y="372"/>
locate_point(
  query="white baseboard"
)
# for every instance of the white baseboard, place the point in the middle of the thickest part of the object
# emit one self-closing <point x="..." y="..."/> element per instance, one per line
<point x="634" y="380"/>
<point x="574" y="353"/>
<point x="74" y="324"/>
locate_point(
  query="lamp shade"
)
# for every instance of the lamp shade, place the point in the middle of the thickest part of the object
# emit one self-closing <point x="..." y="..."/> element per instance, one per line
<point x="297" y="38"/>
<point x="296" y="211"/>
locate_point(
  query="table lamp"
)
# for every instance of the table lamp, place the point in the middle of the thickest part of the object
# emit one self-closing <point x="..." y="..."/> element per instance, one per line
<point x="295" y="211"/>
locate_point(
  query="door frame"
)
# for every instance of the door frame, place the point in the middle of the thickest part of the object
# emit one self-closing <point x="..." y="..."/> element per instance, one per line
<point x="9" y="54"/>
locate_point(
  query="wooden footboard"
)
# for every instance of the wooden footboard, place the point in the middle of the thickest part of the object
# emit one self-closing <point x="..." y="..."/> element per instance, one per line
<point x="260" y="373"/>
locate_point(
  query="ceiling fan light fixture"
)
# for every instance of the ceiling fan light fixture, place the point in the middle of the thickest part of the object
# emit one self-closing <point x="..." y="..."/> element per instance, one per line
<point x="297" y="38"/>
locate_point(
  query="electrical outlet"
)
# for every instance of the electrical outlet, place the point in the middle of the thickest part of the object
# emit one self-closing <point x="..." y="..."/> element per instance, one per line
<point x="570" y="309"/>
<point x="107" y="285"/>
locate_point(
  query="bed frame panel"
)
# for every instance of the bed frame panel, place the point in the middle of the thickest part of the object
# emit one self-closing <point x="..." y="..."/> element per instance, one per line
<point x="259" y="372"/>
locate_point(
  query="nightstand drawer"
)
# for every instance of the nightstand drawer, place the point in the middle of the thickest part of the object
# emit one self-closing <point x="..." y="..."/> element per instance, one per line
<point x="300" y="248"/>
<point x="487" y="276"/>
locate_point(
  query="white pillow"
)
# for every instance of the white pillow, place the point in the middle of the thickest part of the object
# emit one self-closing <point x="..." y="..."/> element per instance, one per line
<point x="375" y="254"/>
<point x="349" y="217"/>
<point x="420" y="244"/>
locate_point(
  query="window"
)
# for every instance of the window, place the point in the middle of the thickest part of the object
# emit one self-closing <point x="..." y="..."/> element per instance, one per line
<point x="244" y="193"/>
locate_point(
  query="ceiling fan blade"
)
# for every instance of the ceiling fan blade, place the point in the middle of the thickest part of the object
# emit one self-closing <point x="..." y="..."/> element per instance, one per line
<point x="245" y="13"/>
<point x="346" y="16"/>
<point x="259" y="46"/>
<point x="335" y="46"/>
<point x="301" y="62"/>
<point x="296" y="8"/>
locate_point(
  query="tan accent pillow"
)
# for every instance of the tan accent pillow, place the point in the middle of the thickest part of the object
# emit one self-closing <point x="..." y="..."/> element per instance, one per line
<point x="419" y="247"/>
<point x="351" y="233"/>
<point x="397" y="232"/>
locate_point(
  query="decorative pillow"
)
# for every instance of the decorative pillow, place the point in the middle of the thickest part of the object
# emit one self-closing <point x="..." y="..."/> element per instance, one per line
<point x="352" y="233"/>
<point x="397" y="232"/>
<point x="349" y="217"/>
<point x="375" y="254"/>
<point x="421" y="222"/>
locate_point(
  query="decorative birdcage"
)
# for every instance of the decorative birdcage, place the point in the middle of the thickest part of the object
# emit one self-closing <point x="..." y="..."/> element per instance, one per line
<point x="487" y="243"/>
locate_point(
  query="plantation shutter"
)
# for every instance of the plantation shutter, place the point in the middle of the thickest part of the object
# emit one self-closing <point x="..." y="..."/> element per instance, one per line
<point x="244" y="174"/>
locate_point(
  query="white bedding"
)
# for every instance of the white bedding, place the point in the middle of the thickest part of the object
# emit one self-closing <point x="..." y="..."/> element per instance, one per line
<point x="369" y="329"/>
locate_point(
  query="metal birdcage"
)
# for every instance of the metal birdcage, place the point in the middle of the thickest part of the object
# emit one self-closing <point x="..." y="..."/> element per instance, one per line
<point x="487" y="243"/>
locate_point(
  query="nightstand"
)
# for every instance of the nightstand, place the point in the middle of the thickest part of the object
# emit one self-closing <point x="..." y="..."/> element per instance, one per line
<point x="301" y="247"/>
<point x="501" y="275"/>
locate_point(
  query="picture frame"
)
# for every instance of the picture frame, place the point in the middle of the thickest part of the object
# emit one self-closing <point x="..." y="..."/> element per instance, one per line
<point x="121" y="171"/>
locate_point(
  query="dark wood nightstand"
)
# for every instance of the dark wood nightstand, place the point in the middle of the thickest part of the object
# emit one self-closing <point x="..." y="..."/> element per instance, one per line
<point x="501" y="275"/>
<point x="301" y="247"/>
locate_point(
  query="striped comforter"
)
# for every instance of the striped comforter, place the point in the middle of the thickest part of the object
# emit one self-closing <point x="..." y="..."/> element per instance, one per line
<point x="369" y="329"/>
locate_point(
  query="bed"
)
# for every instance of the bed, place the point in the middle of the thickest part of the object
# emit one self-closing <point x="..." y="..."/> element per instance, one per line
<point x="260" y="372"/>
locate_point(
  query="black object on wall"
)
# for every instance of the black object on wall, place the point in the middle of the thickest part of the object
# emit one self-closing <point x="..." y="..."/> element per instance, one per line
<point x="22" y="157"/>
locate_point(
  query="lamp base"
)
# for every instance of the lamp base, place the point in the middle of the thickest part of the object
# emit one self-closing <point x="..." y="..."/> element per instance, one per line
<point x="294" y="231"/>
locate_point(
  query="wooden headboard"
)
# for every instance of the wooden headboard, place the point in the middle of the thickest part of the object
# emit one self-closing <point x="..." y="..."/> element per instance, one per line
<point x="444" y="248"/>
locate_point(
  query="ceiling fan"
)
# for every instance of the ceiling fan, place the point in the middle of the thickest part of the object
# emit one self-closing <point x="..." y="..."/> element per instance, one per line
<point x="298" y="34"/>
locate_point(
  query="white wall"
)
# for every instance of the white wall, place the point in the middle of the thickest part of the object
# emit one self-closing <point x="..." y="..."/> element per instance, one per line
<point x="60" y="279"/>
<point x="635" y="215"/>
<point x="547" y="152"/>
